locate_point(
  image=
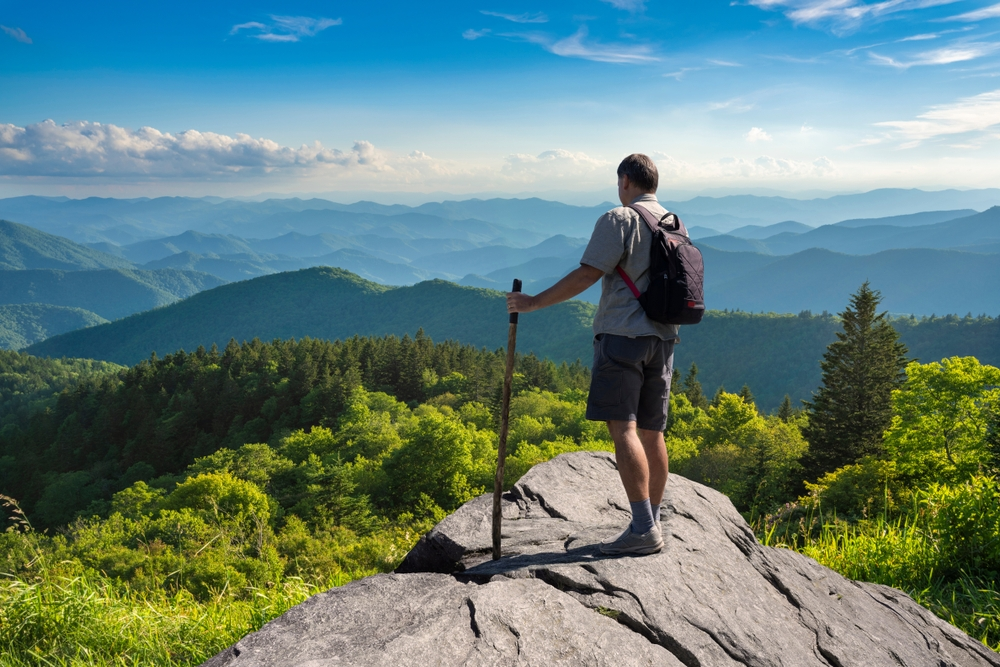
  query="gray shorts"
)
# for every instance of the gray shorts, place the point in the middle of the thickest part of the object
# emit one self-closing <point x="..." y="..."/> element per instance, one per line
<point x="630" y="380"/>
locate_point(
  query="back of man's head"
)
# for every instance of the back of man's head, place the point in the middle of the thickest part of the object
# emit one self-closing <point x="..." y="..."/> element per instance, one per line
<point x="641" y="172"/>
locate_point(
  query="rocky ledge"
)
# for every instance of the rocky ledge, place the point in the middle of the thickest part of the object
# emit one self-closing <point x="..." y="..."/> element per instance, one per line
<point x="713" y="597"/>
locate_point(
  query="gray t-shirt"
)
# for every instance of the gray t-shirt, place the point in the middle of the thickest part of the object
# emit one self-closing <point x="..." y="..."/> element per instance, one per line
<point x="621" y="237"/>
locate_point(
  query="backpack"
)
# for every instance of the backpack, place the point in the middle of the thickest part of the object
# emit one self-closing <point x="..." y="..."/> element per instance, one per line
<point x="676" y="293"/>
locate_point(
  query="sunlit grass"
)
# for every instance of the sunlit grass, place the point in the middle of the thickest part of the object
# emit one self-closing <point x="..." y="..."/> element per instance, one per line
<point x="898" y="552"/>
<point x="93" y="621"/>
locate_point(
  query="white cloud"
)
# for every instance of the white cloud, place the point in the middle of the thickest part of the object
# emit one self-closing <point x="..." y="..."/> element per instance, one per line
<point x="86" y="149"/>
<point x="971" y="114"/>
<point x="764" y="167"/>
<point x="735" y="105"/>
<point x="712" y="64"/>
<point x="633" y="6"/>
<point x="756" y="134"/>
<point x="286" y="28"/>
<point x="947" y="55"/>
<point x="16" y="34"/>
<point x="578" y="46"/>
<point x="554" y="165"/>
<point x="679" y="74"/>
<point x="842" y="15"/>
<point x="472" y="35"/>
<point x="991" y="12"/>
<point x="537" y="17"/>
<point x="95" y="154"/>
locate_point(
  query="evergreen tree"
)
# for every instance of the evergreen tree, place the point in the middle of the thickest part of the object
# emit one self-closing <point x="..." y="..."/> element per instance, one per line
<point x="786" y="411"/>
<point x="852" y="409"/>
<point x="747" y="395"/>
<point x="692" y="389"/>
<point x="717" y="399"/>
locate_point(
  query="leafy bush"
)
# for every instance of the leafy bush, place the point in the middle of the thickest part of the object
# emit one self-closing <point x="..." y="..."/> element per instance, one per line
<point x="731" y="447"/>
<point x="963" y="521"/>
<point x="865" y="489"/>
<point x="942" y="420"/>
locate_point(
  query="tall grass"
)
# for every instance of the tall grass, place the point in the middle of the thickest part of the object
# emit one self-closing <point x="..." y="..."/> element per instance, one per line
<point x="90" y="620"/>
<point x="902" y="552"/>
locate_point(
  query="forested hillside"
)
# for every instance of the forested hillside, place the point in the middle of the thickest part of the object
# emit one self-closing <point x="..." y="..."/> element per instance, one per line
<point x="24" y="324"/>
<point x="330" y="304"/>
<point x="156" y="418"/>
<point x="775" y="354"/>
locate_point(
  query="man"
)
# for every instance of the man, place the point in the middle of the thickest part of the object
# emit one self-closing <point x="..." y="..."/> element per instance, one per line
<point x="633" y="355"/>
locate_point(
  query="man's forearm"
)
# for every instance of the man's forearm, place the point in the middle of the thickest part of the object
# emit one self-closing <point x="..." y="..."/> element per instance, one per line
<point x="570" y="285"/>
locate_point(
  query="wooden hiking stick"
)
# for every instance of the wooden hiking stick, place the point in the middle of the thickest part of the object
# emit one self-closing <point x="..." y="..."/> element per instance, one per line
<point x="504" y="422"/>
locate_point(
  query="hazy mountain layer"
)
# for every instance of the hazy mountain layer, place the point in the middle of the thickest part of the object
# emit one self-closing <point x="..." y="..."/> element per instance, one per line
<point x="23" y="247"/>
<point x="109" y="293"/>
<point x="911" y="220"/>
<point x="124" y="221"/>
<point x="923" y="282"/>
<point x="970" y="231"/>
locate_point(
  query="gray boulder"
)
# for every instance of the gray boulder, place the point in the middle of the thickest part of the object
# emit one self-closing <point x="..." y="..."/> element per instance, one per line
<point x="713" y="596"/>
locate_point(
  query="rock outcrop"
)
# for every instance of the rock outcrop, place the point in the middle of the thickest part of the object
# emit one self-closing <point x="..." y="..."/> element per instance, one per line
<point x="713" y="597"/>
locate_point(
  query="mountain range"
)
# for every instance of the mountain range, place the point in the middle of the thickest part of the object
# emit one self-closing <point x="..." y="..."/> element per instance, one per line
<point x="124" y="221"/>
<point x="773" y="354"/>
<point x="936" y="261"/>
<point x="964" y="231"/>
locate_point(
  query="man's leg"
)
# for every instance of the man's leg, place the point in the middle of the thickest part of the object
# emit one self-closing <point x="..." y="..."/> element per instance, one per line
<point x="633" y="469"/>
<point x="642" y="461"/>
<point x="630" y="454"/>
<point x="654" y="404"/>
<point x="658" y="465"/>
<point x="656" y="461"/>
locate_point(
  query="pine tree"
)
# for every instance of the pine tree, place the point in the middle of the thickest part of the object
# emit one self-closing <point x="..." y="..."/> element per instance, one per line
<point x="747" y="395"/>
<point x="718" y="396"/>
<point x="692" y="389"/>
<point x="786" y="411"/>
<point x="852" y="408"/>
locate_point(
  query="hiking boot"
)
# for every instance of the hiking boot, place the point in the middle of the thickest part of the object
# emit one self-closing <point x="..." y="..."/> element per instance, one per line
<point x="633" y="543"/>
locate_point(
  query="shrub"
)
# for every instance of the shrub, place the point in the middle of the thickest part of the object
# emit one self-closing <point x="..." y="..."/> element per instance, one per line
<point x="865" y="489"/>
<point x="964" y="522"/>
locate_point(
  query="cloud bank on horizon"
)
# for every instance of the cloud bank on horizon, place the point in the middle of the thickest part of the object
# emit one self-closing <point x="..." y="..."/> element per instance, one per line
<point x="799" y="94"/>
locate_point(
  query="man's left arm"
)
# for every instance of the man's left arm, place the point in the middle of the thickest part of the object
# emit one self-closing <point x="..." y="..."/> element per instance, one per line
<point x="568" y="286"/>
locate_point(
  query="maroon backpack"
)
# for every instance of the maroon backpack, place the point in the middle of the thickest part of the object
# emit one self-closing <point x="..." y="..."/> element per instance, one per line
<point x="676" y="292"/>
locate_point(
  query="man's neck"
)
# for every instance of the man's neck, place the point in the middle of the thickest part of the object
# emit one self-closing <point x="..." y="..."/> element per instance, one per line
<point x="641" y="195"/>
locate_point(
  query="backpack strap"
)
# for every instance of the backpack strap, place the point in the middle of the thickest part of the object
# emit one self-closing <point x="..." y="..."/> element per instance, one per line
<point x="628" y="281"/>
<point x="674" y="225"/>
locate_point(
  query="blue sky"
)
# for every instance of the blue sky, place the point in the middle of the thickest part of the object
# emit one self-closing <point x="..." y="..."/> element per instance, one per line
<point x="132" y="98"/>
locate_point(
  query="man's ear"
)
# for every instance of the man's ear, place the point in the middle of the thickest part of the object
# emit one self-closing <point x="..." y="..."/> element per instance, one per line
<point x="625" y="182"/>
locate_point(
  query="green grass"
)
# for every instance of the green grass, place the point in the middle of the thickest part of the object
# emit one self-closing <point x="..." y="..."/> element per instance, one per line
<point x="901" y="553"/>
<point x="93" y="621"/>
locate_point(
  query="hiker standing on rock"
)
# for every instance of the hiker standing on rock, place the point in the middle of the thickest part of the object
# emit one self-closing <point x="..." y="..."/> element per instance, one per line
<point x="633" y="355"/>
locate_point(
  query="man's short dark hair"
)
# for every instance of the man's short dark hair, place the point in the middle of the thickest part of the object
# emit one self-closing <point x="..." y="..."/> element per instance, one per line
<point x="641" y="172"/>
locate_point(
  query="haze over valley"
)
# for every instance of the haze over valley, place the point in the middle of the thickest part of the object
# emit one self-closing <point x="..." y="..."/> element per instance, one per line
<point x="162" y="270"/>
